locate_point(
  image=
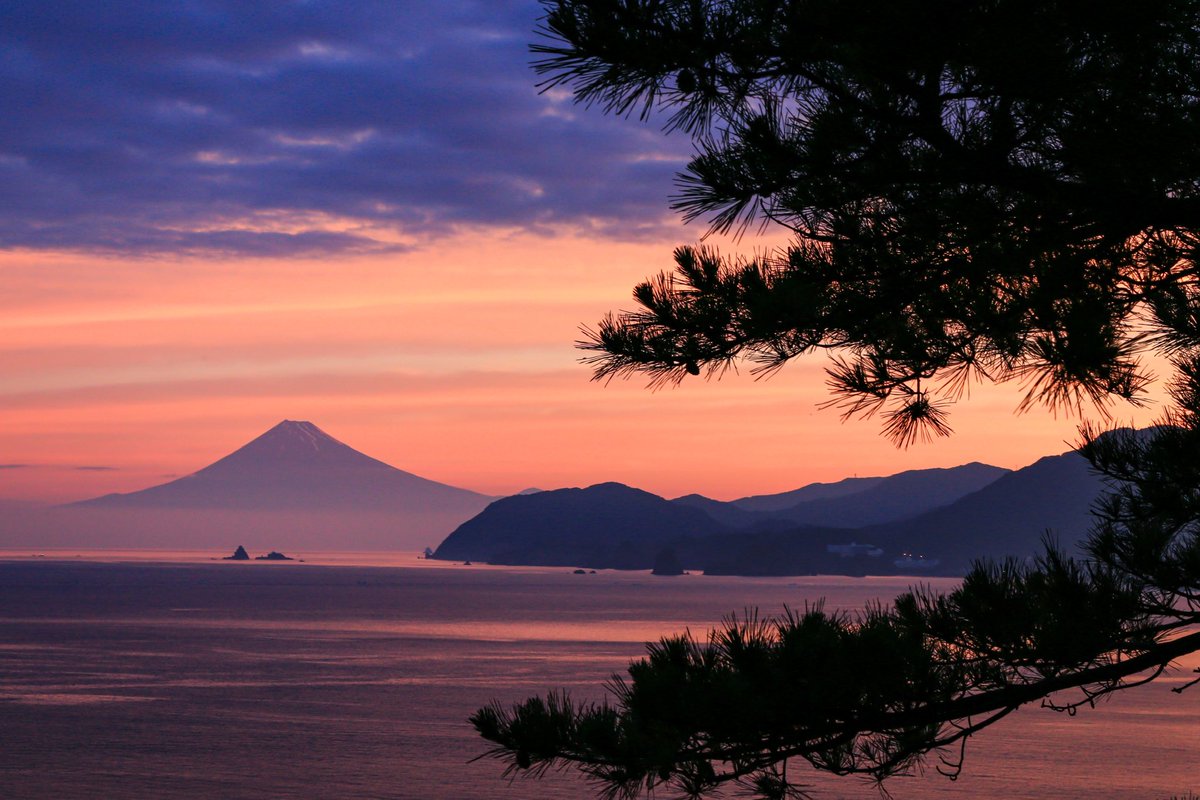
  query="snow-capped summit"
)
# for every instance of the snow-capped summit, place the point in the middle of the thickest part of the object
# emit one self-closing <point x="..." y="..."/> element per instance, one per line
<point x="295" y="441"/>
<point x="298" y="431"/>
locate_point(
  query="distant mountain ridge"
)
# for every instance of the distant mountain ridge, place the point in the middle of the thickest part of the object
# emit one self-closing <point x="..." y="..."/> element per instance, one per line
<point x="1005" y="519"/>
<point x="923" y="521"/>
<point x="1009" y="517"/>
<point x="805" y="494"/>
<point x="856" y="502"/>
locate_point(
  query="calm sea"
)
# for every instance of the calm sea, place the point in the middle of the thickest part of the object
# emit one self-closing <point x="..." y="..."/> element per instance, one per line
<point x="151" y="675"/>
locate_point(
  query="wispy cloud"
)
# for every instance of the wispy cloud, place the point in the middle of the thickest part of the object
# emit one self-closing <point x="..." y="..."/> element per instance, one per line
<point x="75" y="467"/>
<point x="300" y="128"/>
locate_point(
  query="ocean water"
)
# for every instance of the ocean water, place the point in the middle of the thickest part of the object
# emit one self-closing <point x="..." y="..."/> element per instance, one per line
<point x="152" y="675"/>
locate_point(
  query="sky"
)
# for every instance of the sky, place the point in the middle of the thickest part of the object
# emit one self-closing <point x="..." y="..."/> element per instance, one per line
<point x="218" y="215"/>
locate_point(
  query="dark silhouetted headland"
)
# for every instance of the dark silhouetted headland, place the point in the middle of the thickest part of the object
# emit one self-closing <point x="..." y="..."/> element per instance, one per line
<point x="925" y="522"/>
<point x="608" y="525"/>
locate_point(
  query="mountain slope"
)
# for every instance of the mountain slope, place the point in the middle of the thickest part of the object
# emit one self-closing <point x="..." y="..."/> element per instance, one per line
<point x="294" y="466"/>
<point x="726" y="513"/>
<point x="895" y="497"/>
<point x="812" y="491"/>
<point x="294" y="487"/>
<point x="855" y="502"/>
<point x="1005" y="518"/>
<point x="606" y="525"/>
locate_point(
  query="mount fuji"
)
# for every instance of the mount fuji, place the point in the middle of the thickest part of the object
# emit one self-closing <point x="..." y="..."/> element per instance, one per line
<point x="294" y="486"/>
<point x="297" y="466"/>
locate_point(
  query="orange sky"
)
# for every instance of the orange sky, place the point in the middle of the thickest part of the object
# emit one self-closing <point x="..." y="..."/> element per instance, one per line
<point x="453" y="361"/>
<point x="422" y="233"/>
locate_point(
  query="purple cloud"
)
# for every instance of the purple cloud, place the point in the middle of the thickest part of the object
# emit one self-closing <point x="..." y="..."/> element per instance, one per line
<point x="264" y="128"/>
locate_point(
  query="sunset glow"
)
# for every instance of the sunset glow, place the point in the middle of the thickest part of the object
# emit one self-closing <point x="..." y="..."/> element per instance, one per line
<point x="567" y="398"/>
<point x="455" y="361"/>
<point x="352" y="222"/>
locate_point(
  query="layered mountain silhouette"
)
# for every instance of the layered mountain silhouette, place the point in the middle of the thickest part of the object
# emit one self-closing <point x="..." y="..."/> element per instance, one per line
<point x="294" y="487"/>
<point x="297" y="466"/>
<point x="813" y="491"/>
<point x="922" y="521"/>
<point x="855" y="502"/>
<point x="1009" y="517"/>
<point x="297" y="488"/>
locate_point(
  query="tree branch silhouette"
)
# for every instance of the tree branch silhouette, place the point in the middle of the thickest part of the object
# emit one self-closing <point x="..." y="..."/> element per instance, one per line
<point x="1005" y="191"/>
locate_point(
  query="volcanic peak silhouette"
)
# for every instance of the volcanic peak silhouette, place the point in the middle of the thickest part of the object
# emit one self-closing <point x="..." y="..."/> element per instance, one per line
<point x="296" y="465"/>
<point x="294" y="442"/>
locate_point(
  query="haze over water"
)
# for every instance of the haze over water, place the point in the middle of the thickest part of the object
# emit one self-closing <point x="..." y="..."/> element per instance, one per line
<point x="144" y="679"/>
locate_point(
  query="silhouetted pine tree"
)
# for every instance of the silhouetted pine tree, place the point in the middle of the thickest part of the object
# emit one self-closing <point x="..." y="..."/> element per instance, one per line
<point x="1003" y="191"/>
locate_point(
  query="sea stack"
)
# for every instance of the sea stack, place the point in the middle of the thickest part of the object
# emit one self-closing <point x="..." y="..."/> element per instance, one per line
<point x="666" y="562"/>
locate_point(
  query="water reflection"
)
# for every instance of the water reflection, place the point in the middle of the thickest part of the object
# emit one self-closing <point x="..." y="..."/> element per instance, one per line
<point x="207" y="680"/>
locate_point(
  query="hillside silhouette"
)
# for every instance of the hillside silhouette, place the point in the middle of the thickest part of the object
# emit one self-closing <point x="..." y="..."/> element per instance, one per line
<point x="931" y="522"/>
